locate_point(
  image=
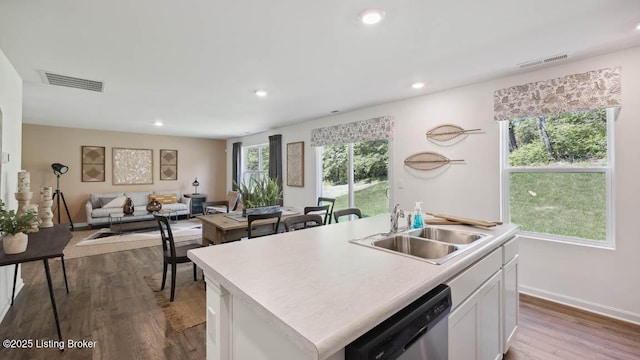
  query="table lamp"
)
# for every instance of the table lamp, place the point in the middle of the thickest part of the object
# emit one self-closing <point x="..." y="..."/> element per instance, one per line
<point x="195" y="183"/>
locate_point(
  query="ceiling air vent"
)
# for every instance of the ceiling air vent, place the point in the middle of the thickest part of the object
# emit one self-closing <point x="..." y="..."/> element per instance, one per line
<point x="73" y="82"/>
<point x="546" y="60"/>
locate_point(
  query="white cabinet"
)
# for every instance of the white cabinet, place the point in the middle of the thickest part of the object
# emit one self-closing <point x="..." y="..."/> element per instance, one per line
<point x="218" y="310"/>
<point x="474" y="326"/>
<point x="511" y="302"/>
<point x="484" y="316"/>
<point x="235" y="331"/>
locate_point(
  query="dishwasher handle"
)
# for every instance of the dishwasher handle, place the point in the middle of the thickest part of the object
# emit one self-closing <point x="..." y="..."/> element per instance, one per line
<point x="415" y="338"/>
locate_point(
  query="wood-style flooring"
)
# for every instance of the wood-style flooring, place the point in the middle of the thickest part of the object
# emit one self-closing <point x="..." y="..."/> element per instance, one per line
<point x="550" y="331"/>
<point x="111" y="304"/>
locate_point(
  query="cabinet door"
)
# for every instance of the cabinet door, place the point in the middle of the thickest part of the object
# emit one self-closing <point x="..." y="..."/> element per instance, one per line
<point x="511" y="302"/>
<point x="474" y="327"/>
<point x="218" y="321"/>
<point x="464" y="323"/>
<point x="196" y="204"/>
<point x="490" y="308"/>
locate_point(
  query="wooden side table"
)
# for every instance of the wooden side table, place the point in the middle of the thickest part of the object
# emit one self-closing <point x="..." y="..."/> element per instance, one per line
<point x="43" y="245"/>
<point x="196" y="202"/>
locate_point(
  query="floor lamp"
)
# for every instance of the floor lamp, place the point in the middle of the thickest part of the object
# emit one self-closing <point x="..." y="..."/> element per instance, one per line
<point x="59" y="169"/>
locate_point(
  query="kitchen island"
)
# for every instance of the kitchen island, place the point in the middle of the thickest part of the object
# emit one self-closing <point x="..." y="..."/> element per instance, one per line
<point x="307" y="294"/>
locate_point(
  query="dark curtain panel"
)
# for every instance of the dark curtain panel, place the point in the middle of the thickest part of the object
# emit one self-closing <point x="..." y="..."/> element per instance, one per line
<point x="237" y="165"/>
<point x="275" y="159"/>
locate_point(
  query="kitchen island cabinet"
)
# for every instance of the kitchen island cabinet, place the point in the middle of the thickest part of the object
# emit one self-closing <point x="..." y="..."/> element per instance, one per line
<point x="474" y="326"/>
<point x="312" y="292"/>
<point x="511" y="300"/>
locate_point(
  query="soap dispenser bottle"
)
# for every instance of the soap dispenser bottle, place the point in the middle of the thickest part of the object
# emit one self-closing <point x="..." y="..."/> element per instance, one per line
<point x="417" y="217"/>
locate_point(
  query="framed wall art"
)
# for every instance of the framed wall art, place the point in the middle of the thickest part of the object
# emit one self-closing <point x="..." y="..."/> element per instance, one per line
<point x="93" y="160"/>
<point x="168" y="164"/>
<point x="132" y="166"/>
<point x="295" y="164"/>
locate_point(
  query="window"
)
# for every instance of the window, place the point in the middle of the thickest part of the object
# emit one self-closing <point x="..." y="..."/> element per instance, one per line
<point x="255" y="162"/>
<point x="356" y="175"/>
<point x="557" y="176"/>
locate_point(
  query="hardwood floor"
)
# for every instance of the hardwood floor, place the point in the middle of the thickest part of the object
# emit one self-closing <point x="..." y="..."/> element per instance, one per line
<point x="550" y="331"/>
<point x="110" y="303"/>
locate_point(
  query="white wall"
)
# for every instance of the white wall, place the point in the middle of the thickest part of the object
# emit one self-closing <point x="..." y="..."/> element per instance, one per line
<point x="11" y="108"/>
<point x="606" y="281"/>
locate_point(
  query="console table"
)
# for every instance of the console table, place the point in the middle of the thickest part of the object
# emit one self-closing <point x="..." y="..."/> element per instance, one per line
<point x="196" y="202"/>
<point x="43" y="245"/>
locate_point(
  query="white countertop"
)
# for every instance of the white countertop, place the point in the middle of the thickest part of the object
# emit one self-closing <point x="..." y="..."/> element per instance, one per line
<point x="322" y="291"/>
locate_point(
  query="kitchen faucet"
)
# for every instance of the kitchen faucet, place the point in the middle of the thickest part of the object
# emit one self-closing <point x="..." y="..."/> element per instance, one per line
<point x="395" y="215"/>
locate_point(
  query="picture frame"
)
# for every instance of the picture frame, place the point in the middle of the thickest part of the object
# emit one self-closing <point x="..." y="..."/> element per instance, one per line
<point x="93" y="163"/>
<point x="132" y="166"/>
<point x="168" y="164"/>
<point x="295" y="164"/>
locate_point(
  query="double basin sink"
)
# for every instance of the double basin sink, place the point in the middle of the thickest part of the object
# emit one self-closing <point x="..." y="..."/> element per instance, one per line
<point x="431" y="244"/>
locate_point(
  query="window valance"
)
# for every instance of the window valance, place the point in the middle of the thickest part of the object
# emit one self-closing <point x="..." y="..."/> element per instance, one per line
<point x="365" y="130"/>
<point x="578" y="92"/>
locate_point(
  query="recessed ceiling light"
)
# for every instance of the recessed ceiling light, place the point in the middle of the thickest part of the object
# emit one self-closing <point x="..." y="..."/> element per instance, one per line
<point x="417" y="85"/>
<point x="638" y="27"/>
<point x="261" y="93"/>
<point x="371" y="16"/>
<point x="158" y="123"/>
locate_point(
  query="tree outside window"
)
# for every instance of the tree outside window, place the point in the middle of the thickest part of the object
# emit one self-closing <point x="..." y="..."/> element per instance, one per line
<point x="256" y="162"/>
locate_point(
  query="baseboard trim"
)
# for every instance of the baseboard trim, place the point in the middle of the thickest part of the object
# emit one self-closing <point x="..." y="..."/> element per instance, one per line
<point x="582" y="305"/>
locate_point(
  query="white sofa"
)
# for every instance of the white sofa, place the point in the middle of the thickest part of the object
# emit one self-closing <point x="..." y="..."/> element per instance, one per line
<point x="96" y="215"/>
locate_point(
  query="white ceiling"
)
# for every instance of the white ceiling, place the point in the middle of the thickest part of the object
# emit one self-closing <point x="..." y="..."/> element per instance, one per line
<point x="195" y="64"/>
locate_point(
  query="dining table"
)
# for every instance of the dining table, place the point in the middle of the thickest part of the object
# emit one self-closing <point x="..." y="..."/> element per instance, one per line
<point x="224" y="227"/>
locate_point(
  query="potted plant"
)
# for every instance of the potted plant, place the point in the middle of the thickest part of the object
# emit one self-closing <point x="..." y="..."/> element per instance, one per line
<point x="14" y="227"/>
<point x="260" y="195"/>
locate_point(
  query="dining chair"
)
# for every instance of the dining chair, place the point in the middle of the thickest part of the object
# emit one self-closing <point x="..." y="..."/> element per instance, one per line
<point x="327" y="200"/>
<point x="323" y="209"/>
<point x="230" y="204"/>
<point x="215" y="207"/>
<point x="300" y="222"/>
<point x="171" y="254"/>
<point x="272" y="215"/>
<point x="344" y="212"/>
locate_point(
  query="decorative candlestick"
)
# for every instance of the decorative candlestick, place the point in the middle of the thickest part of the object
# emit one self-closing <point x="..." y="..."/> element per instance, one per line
<point x="24" y="181"/>
<point x="23" y="202"/>
<point x="34" y="224"/>
<point x="45" y="214"/>
<point x="24" y="196"/>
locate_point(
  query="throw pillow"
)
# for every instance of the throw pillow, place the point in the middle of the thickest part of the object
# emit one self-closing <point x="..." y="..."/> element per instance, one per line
<point x="105" y="200"/>
<point x="166" y="198"/>
<point x="115" y="203"/>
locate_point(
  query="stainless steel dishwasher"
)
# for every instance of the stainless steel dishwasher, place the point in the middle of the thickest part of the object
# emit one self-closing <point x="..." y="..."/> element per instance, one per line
<point x="419" y="331"/>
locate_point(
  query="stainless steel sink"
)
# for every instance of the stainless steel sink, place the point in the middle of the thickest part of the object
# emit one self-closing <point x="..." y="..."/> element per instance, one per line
<point x="446" y="235"/>
<point x="431" y="244"/>
<point x="410" y="245"/>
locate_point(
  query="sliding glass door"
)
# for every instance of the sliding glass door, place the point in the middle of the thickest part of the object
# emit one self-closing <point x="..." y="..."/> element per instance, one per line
<point x="357" y="175"/>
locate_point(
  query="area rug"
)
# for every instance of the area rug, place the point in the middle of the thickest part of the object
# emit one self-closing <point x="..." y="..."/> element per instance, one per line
<point x="106" y="236"/>
<point x="188" y="308"/>
<point x="79" y="244"/>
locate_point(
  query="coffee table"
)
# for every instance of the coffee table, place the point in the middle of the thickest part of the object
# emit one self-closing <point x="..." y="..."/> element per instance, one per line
<point x="118" y="225"/>
<point x="169" y="213"/>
